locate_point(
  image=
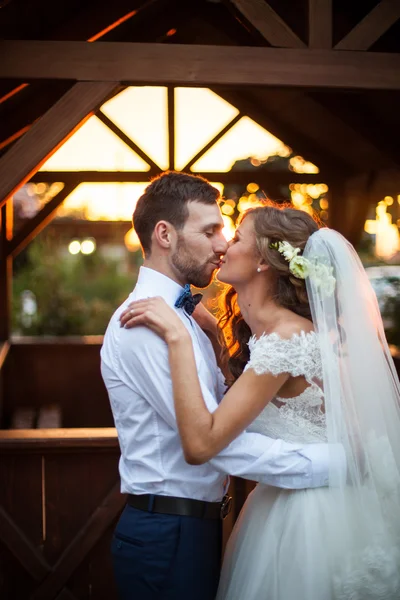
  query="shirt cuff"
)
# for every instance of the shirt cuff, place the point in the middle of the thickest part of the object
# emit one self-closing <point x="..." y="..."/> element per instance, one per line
<point x="328" y="464"/>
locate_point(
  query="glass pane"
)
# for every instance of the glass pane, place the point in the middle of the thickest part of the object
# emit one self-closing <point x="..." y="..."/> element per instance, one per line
<point x="94" y="147"/>
<point x="245" y="140"/>
<point x="102" y="201"/>
<point x="199" y="116"/>
<point x="142" y="114"/>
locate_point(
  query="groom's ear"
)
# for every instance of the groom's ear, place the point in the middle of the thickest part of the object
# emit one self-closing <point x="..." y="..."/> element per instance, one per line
<point x="163" y="234"/>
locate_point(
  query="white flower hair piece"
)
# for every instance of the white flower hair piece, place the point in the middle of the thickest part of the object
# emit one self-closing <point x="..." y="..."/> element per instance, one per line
<point x="302" y="268"/>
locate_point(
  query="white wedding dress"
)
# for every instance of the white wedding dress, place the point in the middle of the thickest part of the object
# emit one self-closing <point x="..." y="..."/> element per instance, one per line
<point x="288" y="544"/>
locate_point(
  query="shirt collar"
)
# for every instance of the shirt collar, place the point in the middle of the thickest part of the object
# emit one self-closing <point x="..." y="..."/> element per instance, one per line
<point x="157" y="284"/>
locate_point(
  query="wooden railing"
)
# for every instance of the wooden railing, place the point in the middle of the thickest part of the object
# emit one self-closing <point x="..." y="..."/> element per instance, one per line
<point x="61" y="373"/>
<point x="59" y="502"/>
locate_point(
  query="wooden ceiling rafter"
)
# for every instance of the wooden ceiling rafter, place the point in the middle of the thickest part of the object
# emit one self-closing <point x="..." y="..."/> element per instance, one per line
<point x="371" y="27"/>
<point x="213" y="141"/>
<point x="126" y="139"/>
<point x="241" y="177"/>
<point x="185" y="64"/>
<point x="318" y="117"/>
<point x="26" y="156"/>
<point x="81" y="27"/>
<point x="268" y="23"/>
<point x="320" y="24"/>
<point x="78" y="28"/>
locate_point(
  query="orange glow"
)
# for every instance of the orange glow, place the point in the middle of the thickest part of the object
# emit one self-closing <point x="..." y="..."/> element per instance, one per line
<point x="13" y="92"/>
<point x="171" y="32"/>
<point x="131" y="240"/>
<point x="387" y="237"/>
<point x="112" y="26"/>
<point x="229" y="228"/>
<point x="14" y="137"/>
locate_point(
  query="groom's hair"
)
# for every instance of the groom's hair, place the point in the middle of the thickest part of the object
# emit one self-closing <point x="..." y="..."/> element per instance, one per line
<point x="166" y="198"/>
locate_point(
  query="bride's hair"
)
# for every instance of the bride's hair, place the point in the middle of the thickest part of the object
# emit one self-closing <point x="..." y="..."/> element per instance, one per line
<point x="272" y="223"/>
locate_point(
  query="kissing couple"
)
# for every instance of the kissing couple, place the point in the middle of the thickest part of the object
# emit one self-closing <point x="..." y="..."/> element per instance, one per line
<point x="293" y="387"/>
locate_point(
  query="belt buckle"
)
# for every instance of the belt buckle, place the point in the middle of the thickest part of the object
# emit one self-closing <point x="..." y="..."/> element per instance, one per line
<point x="226" y="506"/>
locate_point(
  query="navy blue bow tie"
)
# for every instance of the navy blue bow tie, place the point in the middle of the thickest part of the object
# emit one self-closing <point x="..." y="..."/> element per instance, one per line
<point x="187" y="301"/>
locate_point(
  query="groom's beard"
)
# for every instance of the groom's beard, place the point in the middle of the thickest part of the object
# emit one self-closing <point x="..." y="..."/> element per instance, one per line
<point x="198" y="274"/>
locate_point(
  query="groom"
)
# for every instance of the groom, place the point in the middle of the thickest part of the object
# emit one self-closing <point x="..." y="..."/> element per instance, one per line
<point x="167" y="543"/>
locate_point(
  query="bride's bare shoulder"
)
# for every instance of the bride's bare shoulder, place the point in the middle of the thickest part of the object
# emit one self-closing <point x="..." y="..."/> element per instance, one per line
<point x="293" y="325"/>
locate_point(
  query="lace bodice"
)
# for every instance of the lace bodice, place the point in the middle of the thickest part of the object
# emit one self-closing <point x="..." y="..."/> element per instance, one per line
<point x="299" y="419"/>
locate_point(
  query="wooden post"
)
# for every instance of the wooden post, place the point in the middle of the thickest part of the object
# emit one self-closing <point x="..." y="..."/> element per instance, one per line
<point x="6" y="226"/>
<point x="338" y="217"/>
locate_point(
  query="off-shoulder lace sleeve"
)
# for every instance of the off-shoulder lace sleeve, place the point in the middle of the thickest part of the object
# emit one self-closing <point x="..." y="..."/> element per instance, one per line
<point x="298" y="355"/>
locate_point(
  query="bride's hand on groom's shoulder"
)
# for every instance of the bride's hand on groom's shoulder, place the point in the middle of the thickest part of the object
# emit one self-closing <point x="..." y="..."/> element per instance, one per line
<point x="155" y="314"/>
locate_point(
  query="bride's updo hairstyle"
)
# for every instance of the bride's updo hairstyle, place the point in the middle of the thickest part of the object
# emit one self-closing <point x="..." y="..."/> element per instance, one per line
<point x="272" y="223"/>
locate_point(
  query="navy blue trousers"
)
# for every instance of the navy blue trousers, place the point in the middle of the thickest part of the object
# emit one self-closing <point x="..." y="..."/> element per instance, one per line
<point x="166" y="557"/>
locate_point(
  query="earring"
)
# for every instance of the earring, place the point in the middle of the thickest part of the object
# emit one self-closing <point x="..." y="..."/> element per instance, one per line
<point x="258" y="269"/>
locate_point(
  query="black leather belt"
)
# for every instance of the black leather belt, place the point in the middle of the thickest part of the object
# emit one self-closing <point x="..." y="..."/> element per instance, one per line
<point x="185" y="507"/>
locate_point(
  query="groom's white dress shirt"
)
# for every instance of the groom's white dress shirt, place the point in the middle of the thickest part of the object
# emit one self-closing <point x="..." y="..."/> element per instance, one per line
<point x="135" y="369"/>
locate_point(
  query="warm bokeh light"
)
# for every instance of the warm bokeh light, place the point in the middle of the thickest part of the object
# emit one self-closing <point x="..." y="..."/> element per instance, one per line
<point x="299" y="165"/>
<point x="88" y="246"/>
<point x="252" y="188"/>
<point x="303" y="194"/>
<point x="131" y="240"/>
<point x="387" y="237"/>
<point x="227" y="209"/>
<point x="74" y="247"/>
<point x="246" y="139"/>
<point x="229" y="228"/>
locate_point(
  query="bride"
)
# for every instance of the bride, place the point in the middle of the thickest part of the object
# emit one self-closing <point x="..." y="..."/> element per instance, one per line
<point x="309" y="362"/>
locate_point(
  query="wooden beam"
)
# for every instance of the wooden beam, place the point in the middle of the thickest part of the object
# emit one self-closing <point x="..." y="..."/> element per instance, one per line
<point x="31" y="104"/>
<point x="27" y="155"/>
<point x="261" y="176"/>
<point x="171" y="128"/>
<point x="267" y="22"/>
<point x="198" y="65"/>
<point x="28" y="556"/>
<point x="320" y="24"/>
<point x="91" y="25"/>
<point x="38" y="222"/>
<point x="126" y="139"/>
<point x="372" y="26"/>
<point x="22" y="548"/>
